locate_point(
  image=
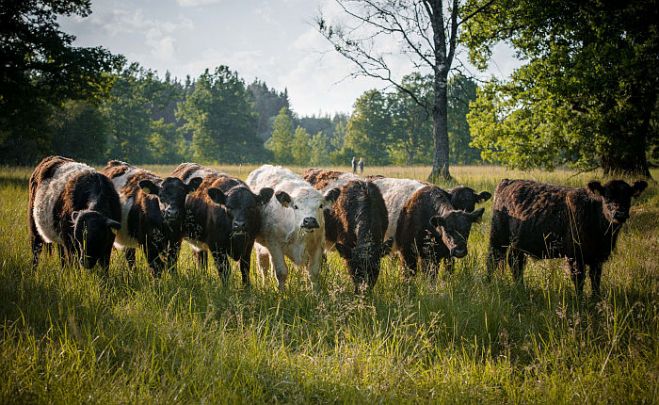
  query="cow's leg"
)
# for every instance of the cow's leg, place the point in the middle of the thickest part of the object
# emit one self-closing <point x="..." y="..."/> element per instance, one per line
<point x="130" y="255"/>
<point x="410" y="259"/>
<point x="172" y="257"/>
<point x="314" y="266"/>
<point x="64" y="257"/>
<point x="279" y="264"/>
<point x="223" y="266"/>
<point x="37" y="245"/>
<point x="201" y="259"/>
<point x="153" y="259"/>
<point x="244" y="270"/>
<point x="104" y="261"/>
<point x="578" y="275"/>
<point x="595" y="277"/>
<point x="499" y="242"/>
<point x="516" y="261"/>
<point x="262" y="261"/>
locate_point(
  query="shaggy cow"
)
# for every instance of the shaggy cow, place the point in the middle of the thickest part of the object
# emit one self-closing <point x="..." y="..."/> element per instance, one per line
<point x="293" y="226"/>
<point x="430" y="229"/>
<point x="223" y="217"/>
<point x="72" y="205"/>
<point x="547" y="221"/>
<point x="153" y="212"/>
<point x="355" y="224"/>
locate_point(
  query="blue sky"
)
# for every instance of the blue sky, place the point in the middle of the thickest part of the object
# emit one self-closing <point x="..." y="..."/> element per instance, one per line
<point x="275" y="41"/>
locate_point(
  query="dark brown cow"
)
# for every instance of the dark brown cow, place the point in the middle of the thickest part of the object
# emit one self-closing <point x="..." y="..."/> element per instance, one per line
<point x="356" y="225"/>
<point x="153" y="213"/>
<point x="72" y="205"/>
<point x="222" y="217"/>
<point x="548" y="221"/>
<point x="430" y="229"/>
<point x="465" y="198"/>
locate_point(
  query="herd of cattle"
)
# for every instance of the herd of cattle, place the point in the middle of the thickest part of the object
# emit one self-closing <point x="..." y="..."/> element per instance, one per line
<point x="282" y="214"/>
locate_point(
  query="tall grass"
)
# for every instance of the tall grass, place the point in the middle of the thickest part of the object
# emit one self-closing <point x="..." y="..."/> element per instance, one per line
<point x="73" y="335"/>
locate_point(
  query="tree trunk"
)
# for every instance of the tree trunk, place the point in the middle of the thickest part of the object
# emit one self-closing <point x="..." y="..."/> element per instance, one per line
<point x="440" y="164"/>
<point x="626" y="156"/>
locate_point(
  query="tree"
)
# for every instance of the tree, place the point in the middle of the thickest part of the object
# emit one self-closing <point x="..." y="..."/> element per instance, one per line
<point x="427" y="32"/>
<point x="267" y="104"/>
<point x="319" y="145"/>
<point x="220" y="116"/>
<point x="461" y="91"/>
<point x="301" y="151"/>
<point x="412" y="125"/>
<point x="80" y="131"/>
<point x="369" y="129"/>
<point x="40" y="69"/>
<point x="281" y="141"/>
<point x="588" y="92"/>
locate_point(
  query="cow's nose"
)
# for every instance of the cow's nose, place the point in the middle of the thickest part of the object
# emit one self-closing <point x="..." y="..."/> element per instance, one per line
<point x="310" y="223"/>
<point x="238" y="226"/>
<point x="458" y="252"/>
<point x="620" y="216"/>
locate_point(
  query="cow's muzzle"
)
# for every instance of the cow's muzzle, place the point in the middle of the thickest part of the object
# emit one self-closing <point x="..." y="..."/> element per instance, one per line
<point x="310" y="223"/>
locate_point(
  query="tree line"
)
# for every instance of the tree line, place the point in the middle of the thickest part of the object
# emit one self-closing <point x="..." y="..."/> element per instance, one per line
<point x="586" y="95"/>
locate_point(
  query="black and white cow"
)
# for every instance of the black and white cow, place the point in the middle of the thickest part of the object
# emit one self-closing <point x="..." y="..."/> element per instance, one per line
<point x="153" y="214"/>
<point x="75" y="207"/>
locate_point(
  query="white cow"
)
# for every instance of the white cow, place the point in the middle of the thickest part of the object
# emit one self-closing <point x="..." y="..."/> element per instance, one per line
<point x="292" y="224"/>
<point x="395" y="193"/>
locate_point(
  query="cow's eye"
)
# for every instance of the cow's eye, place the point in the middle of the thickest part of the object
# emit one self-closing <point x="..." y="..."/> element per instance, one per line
<point x="321" y="206"/>
<point x="294" y="207"/>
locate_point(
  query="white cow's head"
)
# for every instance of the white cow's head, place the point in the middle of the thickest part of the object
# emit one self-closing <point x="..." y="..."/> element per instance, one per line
<point x="307" y="206"/>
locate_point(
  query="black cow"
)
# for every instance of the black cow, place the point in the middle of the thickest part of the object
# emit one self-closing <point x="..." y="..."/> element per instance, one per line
<point x="223" y="217"/>
<point x="548" y="221"/>
<point x="72" y="205"/>
<point x="153" y="213"/>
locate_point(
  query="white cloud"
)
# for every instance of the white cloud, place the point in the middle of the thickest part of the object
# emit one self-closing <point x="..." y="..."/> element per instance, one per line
<point x="195" y="3"/>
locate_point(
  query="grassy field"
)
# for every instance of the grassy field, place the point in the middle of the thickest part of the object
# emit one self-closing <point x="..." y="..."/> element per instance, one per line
<point x="72" y="335"/>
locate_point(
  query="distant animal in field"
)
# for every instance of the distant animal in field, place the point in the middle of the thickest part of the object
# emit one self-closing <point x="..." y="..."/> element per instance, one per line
<point x="293" y="223"/>
<point x="546" y="221"/>
<point x="355" y="225"/>
<point x="153" y="213"/>
<point x="223" y="217"/>
<point x="431" y="229"/>
<point x="75" y="207"/>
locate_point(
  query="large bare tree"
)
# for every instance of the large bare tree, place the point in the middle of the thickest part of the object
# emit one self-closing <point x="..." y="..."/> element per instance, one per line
<point x="374" y="34"/>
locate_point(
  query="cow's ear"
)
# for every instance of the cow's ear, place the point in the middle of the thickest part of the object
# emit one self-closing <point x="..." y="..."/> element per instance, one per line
<point x="596" y="187"/>
<point x="437" y="221"/>
<point x="114" y="225"/>
<point x="343" y="250"/>
<point x="386" y="246"/>
<point x="283" y="198"/>
<point x="194" y="184"/>
<point x="332" y="195"/>
<point x="477" y="215"/>
<point x="149" y="187"/>
<point x="265" y="195"/>
<point x="483" y="196"/>
<point x="638" y="187"/>
<point x="75" y="215"/>
<point x="217" y="195"/>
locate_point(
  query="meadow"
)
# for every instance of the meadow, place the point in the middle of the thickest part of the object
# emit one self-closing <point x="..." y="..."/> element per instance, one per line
<point x="72" y="335"/>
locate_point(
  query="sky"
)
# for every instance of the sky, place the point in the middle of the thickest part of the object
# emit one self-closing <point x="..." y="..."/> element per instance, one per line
<point x="275" y="41"/>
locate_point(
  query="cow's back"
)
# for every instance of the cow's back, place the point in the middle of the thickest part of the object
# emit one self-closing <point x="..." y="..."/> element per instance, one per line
<point x="395" y="193"/>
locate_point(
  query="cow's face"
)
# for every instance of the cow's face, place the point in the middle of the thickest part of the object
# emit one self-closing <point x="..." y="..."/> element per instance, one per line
<point x="242" y="207"/>
<point x="93" y="234"/>
<point x="454" y="228"/>
<point x="465" y="198"/>
<point x="364" y="261"/>
<point x="308" y="206"/>
<point x="617" y="198"/>
<point x="171" y="193"/>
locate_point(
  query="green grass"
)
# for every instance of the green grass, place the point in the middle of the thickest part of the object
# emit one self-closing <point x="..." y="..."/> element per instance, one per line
<point x="71" y="335"/>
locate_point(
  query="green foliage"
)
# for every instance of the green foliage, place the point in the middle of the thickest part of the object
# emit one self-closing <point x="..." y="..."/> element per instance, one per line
<point x="267" y="104"/>
<point x="369" y="128"/>
<point x="461" y="91"/>
<point x="301" y="149"/>
<point x="281" y="141"/>
<point x="40" y="69"/>
<point x="588" y="93"/>
<point x="219" y="115"/>
<point x="319" y="150"/>
<point x="80" y="131"/>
